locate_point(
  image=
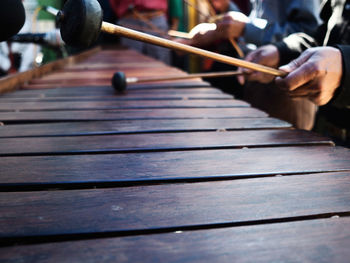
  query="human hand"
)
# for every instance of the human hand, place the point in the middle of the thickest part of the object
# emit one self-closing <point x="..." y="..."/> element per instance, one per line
<point x="232" y="25"/>
<point x="315" y="74"/>
<point x="203" y="35"/>
<point x="202" y="28"/>
<point x="266" y="55"/>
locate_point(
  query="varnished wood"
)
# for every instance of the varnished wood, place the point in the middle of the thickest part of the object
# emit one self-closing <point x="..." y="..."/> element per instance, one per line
<point x="139" y="126"/>
<point x="129" y="104"/>
<point x="115" y="183"/>
<point x="101" y="91"/>
<point x="157" y="142"/>
<point x="130" y="114"/>
<point x="171" y="206"/>
<point x="167" y="166"/>
<point x="121" y="97"/>
<point x="12" y="82"/>
<point x="315" y="240"/>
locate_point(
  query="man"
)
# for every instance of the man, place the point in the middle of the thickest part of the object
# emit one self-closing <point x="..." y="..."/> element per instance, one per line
<point x="148" y="16"/>
<point x="269" y="21"/>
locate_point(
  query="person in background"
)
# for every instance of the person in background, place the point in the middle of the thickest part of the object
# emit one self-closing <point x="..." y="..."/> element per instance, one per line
<point x="223" y="6"/>
<point x="147" y="16"/>
<point x="177" y="23"/>
<point x="222" y="47"/>
<point x="176" y="15"/>
<point x="269" y="21"/>
<point x="317" y="74"/>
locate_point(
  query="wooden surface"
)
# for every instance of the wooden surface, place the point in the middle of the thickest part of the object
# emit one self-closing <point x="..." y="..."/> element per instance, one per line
<point x="167" y="172"/>
<point x="286" y="242"/>
<point x="139" y="126"/>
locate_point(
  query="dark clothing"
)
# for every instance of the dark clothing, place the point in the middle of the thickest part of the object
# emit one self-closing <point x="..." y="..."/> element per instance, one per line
<point x="333" y="119"/>
<point x="334" y="31"/>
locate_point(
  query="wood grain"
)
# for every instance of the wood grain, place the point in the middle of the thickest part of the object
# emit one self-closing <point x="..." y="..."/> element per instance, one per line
<point x="169" y="166"/>
<point x="322" y="240"/>
<point x="107" y="91"/>
<point x="118" y="97"/>
<point x="171" y="206"/>
<point x="130" y="104"/>
<point x="130" y="114"/>
<point x="108" y="173"/>
<point x="157" y="142"/>
<point x="139" y="126"/>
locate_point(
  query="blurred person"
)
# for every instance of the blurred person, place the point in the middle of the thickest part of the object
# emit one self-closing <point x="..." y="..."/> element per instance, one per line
<point x="176" y="15"/>
<point x="150" y="17"/>
<point x="223" y="6"/>
<point x="269" y="21"/>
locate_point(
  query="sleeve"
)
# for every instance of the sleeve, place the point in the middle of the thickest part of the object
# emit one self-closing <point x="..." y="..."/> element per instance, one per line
<point x="342" y="96"/>
<point x="301" y="16"/>
<point x="292" y="46"/>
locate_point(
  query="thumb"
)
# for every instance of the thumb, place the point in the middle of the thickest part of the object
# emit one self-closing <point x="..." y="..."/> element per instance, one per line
<point x="296" y="63"/>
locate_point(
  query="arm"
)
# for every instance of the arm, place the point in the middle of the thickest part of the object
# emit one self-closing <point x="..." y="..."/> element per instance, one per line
<point x="270" y="27"/>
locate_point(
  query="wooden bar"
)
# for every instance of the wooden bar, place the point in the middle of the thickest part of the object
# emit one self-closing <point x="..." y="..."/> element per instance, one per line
<point x="315" y="240"/>
<point x="111" y="105"/>
<point x="130" y="114"/>
<point x="171" y="166"/>
<point x="113" y="97"/>
<point x="138" y="126"/>
<point x="173" y="206"/>
<point x="106" y="91"/>
<point x="157" y="142"/>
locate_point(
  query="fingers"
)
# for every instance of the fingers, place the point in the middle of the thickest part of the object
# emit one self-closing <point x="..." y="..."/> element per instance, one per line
<point x="316" y="75"/>
<point x="251" y="75"/>
<point x="266" y="55"/>
<point x="301" y="71"/>
<point x="241" y="77"/>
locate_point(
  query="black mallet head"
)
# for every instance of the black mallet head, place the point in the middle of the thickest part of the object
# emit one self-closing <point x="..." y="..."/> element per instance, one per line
<point x="119" y="81"/>
<point x="80" y="22"/>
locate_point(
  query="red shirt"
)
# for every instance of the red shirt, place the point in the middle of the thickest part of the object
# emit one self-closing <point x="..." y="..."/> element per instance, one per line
<point x="120" y="7"/>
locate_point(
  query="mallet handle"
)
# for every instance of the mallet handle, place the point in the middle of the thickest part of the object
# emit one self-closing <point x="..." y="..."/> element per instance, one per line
<point x="129" y="33"/>
<point x="190" y="76"/>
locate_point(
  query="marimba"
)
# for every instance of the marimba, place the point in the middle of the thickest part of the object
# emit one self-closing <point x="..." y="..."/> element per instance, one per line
<point x="171" y="171"/>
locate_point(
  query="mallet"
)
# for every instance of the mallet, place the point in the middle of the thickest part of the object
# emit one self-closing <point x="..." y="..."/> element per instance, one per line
<point x="120" y="82"/>
<point x="81" y="22"/>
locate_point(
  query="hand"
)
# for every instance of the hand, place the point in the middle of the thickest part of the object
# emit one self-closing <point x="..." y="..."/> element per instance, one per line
<point x="203" y="35"/>
<point x="315" y="74"/>
<point x="232" y="25"/>
<point x="202" y="28"/>
<point x="266" y="55"/>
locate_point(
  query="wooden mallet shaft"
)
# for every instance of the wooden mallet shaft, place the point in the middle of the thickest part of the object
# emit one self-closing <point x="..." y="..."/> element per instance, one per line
<point x="129" y="33"/>
<point x="120" y="82"/>
<point x="190" y="76"/>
